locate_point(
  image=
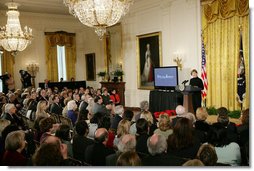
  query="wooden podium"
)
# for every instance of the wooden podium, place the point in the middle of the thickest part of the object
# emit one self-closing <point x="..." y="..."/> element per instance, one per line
<point x="120" y="88"/>
<point x="187" y="97"/>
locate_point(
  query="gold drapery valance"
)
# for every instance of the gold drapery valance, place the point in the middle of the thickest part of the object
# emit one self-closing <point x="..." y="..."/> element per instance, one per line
<point x="60" y="38"/>
<point x="224" y="9"/>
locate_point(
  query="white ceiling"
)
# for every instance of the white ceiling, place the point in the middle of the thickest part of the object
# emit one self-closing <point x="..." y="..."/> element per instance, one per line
<point x="38" y="6"/>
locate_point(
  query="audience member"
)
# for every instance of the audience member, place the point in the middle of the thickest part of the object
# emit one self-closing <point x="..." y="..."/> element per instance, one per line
<point x="183" y="142"/>
<point x="71" y="113"/>
<point x="14" y="145"/>
<point x="129" y="158"/>
<point x="207" y="155"/>
<point x="96" y="153"/>
<point x="76" y="98"/>
<point x="157" y="147"/>
<point x="95" y="121"/>
<point x="83" y="112"/>
<point x="41" y="110"/>
<point x="144" y="106"/>
<point x="50" y="153"/>
<point x="126" y="143"/>
<point x="123" y="128"/>
<point x="65" y="136"/>
<point x="228" y="152"/>
<point x="5" y="132"/>
<point x="223" y="119"/>
<point x="10" y="114"/>
<point x="193" y="162"/>
<point x="80" y="141"/>
<point x="201" y="124"/>
<point x="164" y="126"/>
<point x="98" y="106"/>
<point x="128" y="114"/>
<point x="190" y="116"/>
<point x="55" y="107"/>
<point x="119" y="111"/>
<point x="105" y="123"/>
<point x="147" y="115"/>
<point x="115" y="97"/>
<point x="47" y="127"/>
<point x="142" y="126"/>
<point x="180" y="111"/>
<point x="65" y="110"/>
<point x="3" y="124"/>
<point x="105" y="96"/>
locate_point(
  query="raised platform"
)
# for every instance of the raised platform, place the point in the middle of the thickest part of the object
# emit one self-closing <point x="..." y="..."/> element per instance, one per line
<point x="68" y="84"/>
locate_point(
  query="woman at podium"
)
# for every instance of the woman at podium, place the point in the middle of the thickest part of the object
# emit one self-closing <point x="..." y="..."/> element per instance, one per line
<point x="196" y="96"/>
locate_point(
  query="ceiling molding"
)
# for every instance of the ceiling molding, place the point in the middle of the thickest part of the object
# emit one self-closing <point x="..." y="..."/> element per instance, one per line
<point x="39" y="6"/>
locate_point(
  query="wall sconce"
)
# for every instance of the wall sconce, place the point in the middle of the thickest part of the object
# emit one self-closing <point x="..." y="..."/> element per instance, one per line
<point x="178" y="60"/>
<point x="120" y="66"/>
<point x="33" y="68"/>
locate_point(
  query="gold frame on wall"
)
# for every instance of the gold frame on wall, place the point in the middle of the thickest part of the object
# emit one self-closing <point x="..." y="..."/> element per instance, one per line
<point x="149" y="55"/>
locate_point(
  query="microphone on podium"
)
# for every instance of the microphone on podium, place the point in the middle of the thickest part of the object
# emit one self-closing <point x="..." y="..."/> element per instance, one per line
<point x="185" y="81"/>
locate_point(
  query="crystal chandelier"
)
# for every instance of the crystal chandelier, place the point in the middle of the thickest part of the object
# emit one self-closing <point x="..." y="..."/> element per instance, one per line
<point x="98" y="13"/>
<point x="12" y="38"/>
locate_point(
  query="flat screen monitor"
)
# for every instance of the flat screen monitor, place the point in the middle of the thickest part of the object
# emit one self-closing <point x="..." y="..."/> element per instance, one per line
<point x="165" y="77"/>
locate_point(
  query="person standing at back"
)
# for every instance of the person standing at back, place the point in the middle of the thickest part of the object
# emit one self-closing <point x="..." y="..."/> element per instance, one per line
<point x="195" y="81"/>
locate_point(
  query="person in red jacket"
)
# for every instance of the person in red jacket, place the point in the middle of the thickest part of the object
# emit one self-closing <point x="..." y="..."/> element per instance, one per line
<point x="115" y="97"/>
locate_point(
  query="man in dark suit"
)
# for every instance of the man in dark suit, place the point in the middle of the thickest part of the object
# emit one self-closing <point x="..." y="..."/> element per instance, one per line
<point x="96" y="154"/>
<point x="119" y="110"/>
<point x="10" y="114"/>
<point x="80" y="141"/>
<point x="55" y="107"/>
<point x="83" y="112"/>
<point x="98" y="106"/>
<point x="157" y="147"/>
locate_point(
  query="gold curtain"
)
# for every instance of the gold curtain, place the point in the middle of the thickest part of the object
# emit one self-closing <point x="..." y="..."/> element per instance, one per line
<point x="220" y="27"/>
<point x="8" y="63"/>
<point x="62" y="39"/>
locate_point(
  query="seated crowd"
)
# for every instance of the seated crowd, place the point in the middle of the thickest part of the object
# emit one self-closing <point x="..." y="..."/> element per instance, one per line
<point x="87" y="127"/>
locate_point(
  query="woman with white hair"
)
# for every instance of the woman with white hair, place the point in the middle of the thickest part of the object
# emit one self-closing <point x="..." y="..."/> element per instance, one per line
<point x="180" y="112"/>
<point x="71" y="107"/>
<point x="10" y="114"/>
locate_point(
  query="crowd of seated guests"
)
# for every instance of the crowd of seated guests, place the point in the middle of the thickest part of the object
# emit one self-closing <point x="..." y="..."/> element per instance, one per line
<point x="84" y="127"/>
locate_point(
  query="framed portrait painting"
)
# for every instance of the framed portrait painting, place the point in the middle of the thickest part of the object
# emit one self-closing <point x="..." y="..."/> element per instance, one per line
<point x="90" y="67"/>
<point x="148" y="56"/>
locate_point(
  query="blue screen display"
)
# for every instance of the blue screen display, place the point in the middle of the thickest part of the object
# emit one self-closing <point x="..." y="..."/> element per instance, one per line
<point x="166" y="77"/>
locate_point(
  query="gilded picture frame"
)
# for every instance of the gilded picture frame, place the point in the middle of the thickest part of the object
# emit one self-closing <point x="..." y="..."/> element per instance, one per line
<point x="90" y="67"/>
<point x="149" y="55"/>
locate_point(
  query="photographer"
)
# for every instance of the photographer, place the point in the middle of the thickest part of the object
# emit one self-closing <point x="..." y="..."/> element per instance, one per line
<point x="25" y="79"/>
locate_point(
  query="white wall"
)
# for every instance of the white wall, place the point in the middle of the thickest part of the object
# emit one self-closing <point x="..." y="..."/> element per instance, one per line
<point x="179" y="22"/>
